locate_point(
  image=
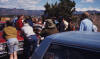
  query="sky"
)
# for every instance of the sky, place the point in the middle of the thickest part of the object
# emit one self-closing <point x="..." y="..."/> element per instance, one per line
<point x="81" y="5"/>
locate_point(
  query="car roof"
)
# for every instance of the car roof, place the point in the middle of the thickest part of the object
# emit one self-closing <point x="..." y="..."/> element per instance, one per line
<point x="83" y="40"/>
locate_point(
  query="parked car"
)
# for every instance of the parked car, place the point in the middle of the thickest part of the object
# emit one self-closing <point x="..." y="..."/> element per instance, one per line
<point x="69" y="45"/>
<point x="3" y="45"/>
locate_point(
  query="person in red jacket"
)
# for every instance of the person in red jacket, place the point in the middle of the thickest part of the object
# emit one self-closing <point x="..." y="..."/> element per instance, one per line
<point x="19" y="23"/>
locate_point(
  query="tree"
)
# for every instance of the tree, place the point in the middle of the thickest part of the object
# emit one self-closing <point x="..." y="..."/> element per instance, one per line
<point x="64" y="8"/>
<point x="51" y="10"/>
<point x="47" y="7"/>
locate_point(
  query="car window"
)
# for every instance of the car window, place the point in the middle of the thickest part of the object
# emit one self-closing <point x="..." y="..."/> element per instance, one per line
<point x="55" y="52"/>
<point x="63" y="52"/>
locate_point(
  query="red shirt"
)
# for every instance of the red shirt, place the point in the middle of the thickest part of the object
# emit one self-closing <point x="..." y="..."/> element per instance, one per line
<point x="19" y="24"/>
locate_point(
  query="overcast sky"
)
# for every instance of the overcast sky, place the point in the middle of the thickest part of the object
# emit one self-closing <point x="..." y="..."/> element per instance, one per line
<point x="81" y="5"/>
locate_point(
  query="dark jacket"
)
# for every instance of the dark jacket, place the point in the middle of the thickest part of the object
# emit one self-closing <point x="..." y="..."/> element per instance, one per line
<point x="61" y="27"/>
<point x="30" y="22"/>
<point x="48" y="31"/>
<point x="50" y="28"/>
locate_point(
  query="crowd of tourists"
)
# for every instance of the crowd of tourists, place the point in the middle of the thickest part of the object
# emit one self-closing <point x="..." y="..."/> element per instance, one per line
<point x="34" y="30"/>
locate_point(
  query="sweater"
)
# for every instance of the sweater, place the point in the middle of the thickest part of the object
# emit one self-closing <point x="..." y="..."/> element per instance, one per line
<point x="10" y="32"/>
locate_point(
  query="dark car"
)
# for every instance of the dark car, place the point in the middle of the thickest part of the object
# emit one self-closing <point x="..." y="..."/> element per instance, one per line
<point x="3" y="45"/>
<point x="69" y="45"/>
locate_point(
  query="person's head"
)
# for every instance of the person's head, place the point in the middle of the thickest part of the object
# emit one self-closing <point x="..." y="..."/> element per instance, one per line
<point x="50" y="23"/>
<point x="9" y="23"/>
<point x="40" y="20"/>
<point x="21" y="17"/>
<point x="28" y="18"/>
<point x="60" y="18"/>
<point x="25" y="22"/>
<point x="85" y="15"/>
<point x="68" y="19"/>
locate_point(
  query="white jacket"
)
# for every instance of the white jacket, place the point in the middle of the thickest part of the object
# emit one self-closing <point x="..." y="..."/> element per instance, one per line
<point x="28" y="30"/>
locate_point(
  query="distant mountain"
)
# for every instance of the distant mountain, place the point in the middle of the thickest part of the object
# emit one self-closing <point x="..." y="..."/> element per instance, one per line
<point x="6" y="11"/>
<point x="89" y="11"/>
<point x="93" y="12"/>
<point x="78" y="12"/>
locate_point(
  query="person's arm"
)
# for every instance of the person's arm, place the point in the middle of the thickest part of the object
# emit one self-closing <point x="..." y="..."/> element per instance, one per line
<point x="23" y="33"/>
<point x="95" y="28"/>
<point x="3" y="35"/>
<point x="81" y="27"/>
<point x="43" y="33"/>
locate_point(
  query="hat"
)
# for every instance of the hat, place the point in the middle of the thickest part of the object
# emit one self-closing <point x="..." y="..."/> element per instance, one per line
<point x="50" y="23"/>
<point x="49" y="20"/>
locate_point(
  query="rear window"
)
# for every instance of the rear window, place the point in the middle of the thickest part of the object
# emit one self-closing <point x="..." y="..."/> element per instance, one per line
<point x="63" y="52"/>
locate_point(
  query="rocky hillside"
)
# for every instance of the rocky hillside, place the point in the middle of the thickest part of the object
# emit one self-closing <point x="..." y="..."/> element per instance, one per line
<point x="97" y="22"/>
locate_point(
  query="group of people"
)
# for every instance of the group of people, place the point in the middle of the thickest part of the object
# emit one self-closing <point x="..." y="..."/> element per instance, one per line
<point x="25" y="27"/>
<point x="34" y="30"/>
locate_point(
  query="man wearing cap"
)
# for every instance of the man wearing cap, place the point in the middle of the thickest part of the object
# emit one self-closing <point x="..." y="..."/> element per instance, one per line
<point x="49" y="29"/>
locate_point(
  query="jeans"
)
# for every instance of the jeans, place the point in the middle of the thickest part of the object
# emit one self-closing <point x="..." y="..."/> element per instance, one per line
<point x="30" y="45"/>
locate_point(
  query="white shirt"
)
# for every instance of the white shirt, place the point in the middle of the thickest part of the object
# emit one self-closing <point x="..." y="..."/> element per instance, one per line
<point x="28" y="30"/>
<point x="95" y="29"/>
<point x="66" y="24"/>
